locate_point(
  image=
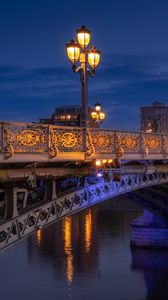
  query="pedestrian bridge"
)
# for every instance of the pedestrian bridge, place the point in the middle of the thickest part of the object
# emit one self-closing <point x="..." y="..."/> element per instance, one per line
<point x="21" y="142"/>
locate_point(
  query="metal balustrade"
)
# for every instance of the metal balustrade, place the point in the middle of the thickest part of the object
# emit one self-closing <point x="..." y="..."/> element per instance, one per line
<point x="48" y="142"/>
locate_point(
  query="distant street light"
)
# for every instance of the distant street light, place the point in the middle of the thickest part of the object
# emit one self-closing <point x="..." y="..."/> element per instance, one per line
<point x="89" y="60"/>
<point x="149" y="128"/>
<point x="97" y="115"/>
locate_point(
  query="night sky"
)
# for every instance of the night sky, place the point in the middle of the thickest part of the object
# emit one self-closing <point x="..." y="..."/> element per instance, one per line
<point x="36" y="76"/>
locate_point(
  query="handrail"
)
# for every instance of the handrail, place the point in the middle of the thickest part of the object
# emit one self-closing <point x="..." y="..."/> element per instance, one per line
<point x="34" y="138"/>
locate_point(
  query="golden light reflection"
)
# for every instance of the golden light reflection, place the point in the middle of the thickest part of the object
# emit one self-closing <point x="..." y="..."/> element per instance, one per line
<point x="39" y="237"/>
<point x="68" y="249"/>
<point x="88" y="231"/>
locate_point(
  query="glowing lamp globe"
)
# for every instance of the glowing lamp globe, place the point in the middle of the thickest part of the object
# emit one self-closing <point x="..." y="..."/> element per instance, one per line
<point x="94" y="115"/>
<point x="83" y="36"/>
<point x="93" y="57"/>
<point x="102" y="115"/>
<point x="98" y="163"/>
<point x="73" y="51"/>
<point x="97" y="106"/>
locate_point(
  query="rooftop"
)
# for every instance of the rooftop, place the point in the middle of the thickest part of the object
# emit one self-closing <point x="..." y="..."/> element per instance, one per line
<point x="157" y="103"/>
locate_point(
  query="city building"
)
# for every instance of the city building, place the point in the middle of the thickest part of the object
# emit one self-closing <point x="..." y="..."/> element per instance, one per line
<point x="69" y="116"/>
<point x="154" y="118"/>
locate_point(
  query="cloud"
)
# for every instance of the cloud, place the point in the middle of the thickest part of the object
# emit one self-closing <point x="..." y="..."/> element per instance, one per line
<point x="122" y="84"/>
<point x="38" y="83"/>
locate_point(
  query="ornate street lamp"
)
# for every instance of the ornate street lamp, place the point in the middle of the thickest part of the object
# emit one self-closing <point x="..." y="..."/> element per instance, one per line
<point x="97" y="115"/>
<point x="88" y="62"/>
<point x="149" y="125"/>
<point x="149" y="128"/>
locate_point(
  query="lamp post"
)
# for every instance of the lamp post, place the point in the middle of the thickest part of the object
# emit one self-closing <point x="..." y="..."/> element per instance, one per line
<point x="98" y="115"/>
<point x="84" y="62"/>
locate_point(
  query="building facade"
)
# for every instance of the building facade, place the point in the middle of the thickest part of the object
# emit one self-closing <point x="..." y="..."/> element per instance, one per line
<point x="154" y="118"/>
<point x="69" y="116"/>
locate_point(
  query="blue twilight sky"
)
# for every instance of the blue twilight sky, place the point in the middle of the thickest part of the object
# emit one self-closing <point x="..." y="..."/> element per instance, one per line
<point x="35" y="75"/>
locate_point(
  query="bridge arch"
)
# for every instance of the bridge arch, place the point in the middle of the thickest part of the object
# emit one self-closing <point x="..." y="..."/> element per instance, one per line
<point x="27" y="223"/>
<point x="104" y="190"/>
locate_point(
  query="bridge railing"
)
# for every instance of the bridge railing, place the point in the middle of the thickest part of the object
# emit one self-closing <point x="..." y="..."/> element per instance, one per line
<point x="127" y="142"/>
<point x="32" y="138"/>
<point x="38" y="138"/>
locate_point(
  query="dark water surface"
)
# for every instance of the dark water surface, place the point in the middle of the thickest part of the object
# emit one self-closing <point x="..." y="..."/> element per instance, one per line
<point x="86" y="256"/>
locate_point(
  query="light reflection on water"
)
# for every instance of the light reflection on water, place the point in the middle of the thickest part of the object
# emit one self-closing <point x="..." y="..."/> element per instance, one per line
<point x="88" y="230"/>
<point x="39" y="237"/>
<point x="86" y="256"/>
<point x="67" y="228"/>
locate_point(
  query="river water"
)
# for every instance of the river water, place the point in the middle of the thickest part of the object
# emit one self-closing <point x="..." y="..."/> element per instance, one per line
<point x="85" y="256"/>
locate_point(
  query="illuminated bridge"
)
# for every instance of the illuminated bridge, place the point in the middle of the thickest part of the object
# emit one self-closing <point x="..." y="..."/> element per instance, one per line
<point x="33" y="152"/>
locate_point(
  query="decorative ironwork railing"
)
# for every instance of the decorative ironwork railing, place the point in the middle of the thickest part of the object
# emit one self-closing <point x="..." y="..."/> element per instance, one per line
<point x="53" y="140"/>
<point x="38" y="138"/>
<point x="124" y="142"/>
